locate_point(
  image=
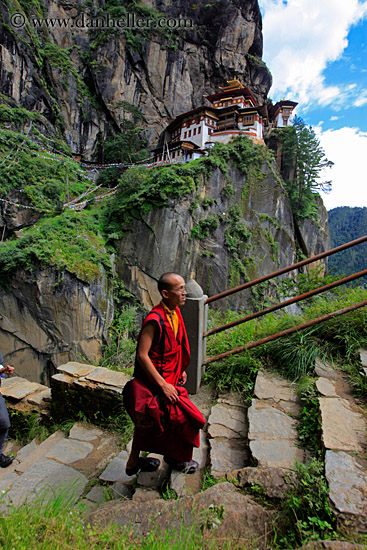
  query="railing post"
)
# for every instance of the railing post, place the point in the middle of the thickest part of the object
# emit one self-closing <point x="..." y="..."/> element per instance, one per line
<point x="194" y="313"/>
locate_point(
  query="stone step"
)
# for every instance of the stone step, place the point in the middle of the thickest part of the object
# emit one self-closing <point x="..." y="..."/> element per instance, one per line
<point x="227" y="435"/>
<point x="344" y="437"/>
<point x="25" y="461"/>
<point x="18" y="388"/>
<point x="60" y="463"/>
<point x="42" y="479"/>
<point x="22" y="454"/>
<point x="272" y="430"/>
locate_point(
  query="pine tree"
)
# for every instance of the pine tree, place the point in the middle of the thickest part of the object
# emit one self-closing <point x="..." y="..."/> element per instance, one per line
<point x="303" y="160"/>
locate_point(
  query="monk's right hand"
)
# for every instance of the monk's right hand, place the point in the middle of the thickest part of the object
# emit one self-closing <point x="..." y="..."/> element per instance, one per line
<point x="170" y="392"/>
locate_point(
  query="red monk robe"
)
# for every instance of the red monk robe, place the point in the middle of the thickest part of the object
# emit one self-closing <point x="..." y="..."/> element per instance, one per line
<point x="182" y="420"/>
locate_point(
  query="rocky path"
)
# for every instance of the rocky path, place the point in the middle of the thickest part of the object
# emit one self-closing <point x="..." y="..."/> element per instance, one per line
<point x="344" y="432"/>
<point x="57" y="464"/>
<point x="257" y="445"/>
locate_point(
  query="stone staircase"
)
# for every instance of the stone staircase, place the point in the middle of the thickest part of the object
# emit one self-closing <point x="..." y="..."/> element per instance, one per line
<point x="344" y="432"/>
<point x="258" y="446"/>
<point x="58" y="464"/>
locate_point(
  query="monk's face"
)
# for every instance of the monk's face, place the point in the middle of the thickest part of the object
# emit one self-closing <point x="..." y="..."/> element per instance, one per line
<point x="176" y="294"/>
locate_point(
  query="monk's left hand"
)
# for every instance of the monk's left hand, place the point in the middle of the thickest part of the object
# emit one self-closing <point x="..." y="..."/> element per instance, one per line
<point x="183" y="378"/>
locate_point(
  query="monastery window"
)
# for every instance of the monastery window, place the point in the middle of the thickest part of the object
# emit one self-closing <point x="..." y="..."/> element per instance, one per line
<point x="185" y="135"/>
<point x="194" y="134"/>
<point x="199" y="130"/>
<point x="189" y="133"/>
<point x="249" y="119"/>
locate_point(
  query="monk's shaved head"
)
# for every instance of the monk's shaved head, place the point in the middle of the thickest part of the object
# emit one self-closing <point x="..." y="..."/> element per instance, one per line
<point x="167" y="281"/>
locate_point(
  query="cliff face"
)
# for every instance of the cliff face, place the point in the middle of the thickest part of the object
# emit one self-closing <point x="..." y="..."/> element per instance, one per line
<point x="48" y="319"/>
<point x="219" y="239"/>
<point x="161" y="76"/>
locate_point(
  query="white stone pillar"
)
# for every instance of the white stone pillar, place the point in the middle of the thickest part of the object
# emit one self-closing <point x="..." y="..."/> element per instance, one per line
<point x="194" y="313"/>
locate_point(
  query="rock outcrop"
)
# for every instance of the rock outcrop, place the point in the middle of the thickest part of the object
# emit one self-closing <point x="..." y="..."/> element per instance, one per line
<point x="243" y="519"/>
<point x="268" y="241"/>
<point x="48" y="319"/>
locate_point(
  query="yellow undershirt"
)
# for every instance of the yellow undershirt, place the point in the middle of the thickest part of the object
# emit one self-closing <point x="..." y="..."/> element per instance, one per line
<point x="172" y="318"/>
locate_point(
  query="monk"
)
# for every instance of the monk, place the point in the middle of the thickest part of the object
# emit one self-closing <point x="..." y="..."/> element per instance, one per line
<point x="161" y="359"/>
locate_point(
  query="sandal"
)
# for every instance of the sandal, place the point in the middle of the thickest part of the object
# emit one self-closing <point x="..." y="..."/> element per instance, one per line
<point x="185" y="467"/>
<point x="144" y="465"/>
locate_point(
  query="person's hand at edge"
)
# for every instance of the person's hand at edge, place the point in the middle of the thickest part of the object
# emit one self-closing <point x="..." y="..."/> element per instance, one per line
<point x="183" y="379"/>
<point x="7" y="370"/>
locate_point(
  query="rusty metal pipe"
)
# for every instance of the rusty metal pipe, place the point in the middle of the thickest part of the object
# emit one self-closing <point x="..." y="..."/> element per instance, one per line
<point x="286" y="269"/>
<point x="286" y="303"/>
<point x="286" y="332"/>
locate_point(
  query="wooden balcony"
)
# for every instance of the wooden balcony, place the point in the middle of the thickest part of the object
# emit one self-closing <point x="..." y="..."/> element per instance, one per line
<point x="228" y="124"/>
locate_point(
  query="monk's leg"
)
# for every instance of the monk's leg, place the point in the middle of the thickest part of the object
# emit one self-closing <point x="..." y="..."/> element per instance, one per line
<point x="134" y="455"/>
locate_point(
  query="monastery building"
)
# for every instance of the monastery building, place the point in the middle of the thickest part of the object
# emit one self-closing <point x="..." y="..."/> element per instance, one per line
<point x="232" y="112"/>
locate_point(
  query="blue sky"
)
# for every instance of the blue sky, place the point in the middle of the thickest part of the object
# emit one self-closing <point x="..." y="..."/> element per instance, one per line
<point x="317" y="53"/>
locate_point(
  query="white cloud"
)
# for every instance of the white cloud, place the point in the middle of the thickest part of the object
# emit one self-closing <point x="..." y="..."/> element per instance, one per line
<point x="361" y="100"/>
<point x="347" y="148"/>
<point x="301" y="38"/>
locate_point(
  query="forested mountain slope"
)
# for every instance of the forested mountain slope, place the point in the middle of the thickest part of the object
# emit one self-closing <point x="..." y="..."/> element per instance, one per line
<point x="347" y="224"/>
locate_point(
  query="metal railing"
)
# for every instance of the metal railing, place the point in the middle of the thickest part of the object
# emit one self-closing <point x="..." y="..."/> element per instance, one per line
<point x="286" y="303"/>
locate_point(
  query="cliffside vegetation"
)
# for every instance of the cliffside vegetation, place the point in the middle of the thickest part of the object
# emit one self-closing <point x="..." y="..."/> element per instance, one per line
<point x="141" y="190"/>
<point x="39" y="184"/>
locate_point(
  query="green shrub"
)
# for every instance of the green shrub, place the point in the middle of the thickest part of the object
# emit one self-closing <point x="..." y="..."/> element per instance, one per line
<point x="119" y="354"/>
<point x="69" y="242"/>
<point x="236" y="373"/>
<point x="309" y="425"/>
<point x="52" y="522"/>
<point x="296" y="355"/>
<point x="205" y="226"/>
<point x="307" y="507"/>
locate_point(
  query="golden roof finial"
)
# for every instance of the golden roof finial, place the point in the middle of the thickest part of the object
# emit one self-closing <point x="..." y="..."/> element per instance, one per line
<point x="234" y="84"/>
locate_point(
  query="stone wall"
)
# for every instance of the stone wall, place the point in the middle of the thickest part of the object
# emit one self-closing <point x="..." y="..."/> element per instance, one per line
<point x="77" y="391"/>
<point x="93" y="392"/>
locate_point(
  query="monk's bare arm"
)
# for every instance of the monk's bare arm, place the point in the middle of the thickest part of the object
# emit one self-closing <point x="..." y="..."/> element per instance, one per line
<point x="145" y="343"/>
